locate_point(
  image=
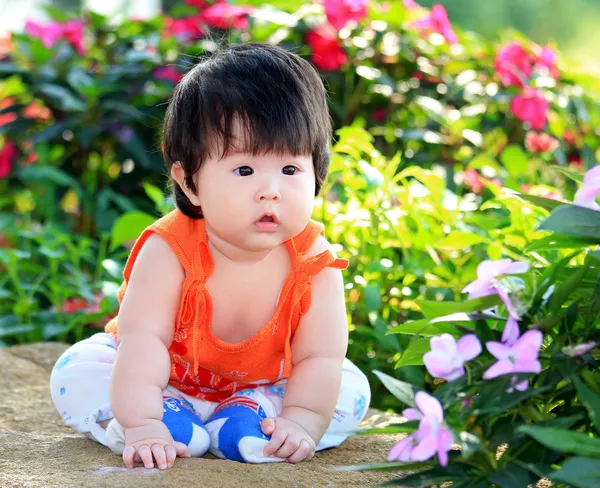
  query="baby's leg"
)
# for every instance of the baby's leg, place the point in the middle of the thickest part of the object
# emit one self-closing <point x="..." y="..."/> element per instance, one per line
<point x="80" y="385"/>
<point x="351" y="408"/>
<point x="235" y="431"/>
<point x="80" y="388"/>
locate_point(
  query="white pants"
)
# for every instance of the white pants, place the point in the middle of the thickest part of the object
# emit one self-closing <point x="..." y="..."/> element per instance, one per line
<point x="80" y="386"/>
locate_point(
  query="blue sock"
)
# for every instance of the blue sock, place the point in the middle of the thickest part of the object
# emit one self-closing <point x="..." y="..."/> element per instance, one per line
<point x="235" y="431"/>
<point x="185" y="426"/>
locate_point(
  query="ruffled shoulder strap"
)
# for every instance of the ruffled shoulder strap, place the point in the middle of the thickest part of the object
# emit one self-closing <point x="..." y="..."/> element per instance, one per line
<point x="306" y="267"/>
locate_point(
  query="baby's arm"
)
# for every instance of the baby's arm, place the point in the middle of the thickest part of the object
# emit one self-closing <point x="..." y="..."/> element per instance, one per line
<point x="141" y="372"/>
<point x="318" y="351"/>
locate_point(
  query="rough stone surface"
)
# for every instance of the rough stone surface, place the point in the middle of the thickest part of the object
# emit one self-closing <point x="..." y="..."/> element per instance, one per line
<point x="38" y="450"/>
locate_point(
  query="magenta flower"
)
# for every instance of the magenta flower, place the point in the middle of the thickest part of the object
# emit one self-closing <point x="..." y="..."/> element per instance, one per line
<point x="520" y="357"/>
<point x="487" y="283"/>
<point x="546" y="60"/>
<point x="531" y="107"/>
<point x="71" y="31"/>
<point x="431" y="437"/>
<point x="447" y="357"/>
<point x="410" y="4"/>
<point x="513" y="64"/>
<point x="167" y="73"/>
<point x="340" y="12"/>
<point x="586" y="196"/>
<point x="437" y="21"/>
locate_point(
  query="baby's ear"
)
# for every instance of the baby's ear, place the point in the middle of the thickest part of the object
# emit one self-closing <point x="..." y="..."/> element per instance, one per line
<point x="178" y="176"/>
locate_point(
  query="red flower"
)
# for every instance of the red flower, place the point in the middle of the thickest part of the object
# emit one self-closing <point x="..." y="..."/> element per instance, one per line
<point x="570" y="137"/>
<point x="379" y="114"/>
<point x="167" y="73"/>
<point x="539" y="143"/>
<point x="8" y="117"/>
<point x="7" y="157"/>
<point x="340" y="12"/>
<point x="327" y="53"/>
<point x="184" y="29"/>
<point x="36" y="110"/>
<point x="473" y="180"/>
<point x="199" y="4"/>
<point x="225" y="16"/>
<point x="545" y="59"/>
<point x="531" y="107"/>
<point x="72" y="31"/>
<point x="575" y="161"/>
<point x="513" y="64"/>
<point x="437" y="21"/>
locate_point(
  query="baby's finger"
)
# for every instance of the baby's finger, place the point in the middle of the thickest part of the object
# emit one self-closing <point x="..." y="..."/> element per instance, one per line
<point x="171" y="455"/>
<point x="128" y="455"/>
<point x="277" y="439"/>
<point x="290" y="446"/>
<point x="158" y="451"/>
<point x="181" y="449"/>
<point x="301" y="454"/>
<point x="146" y="456"/>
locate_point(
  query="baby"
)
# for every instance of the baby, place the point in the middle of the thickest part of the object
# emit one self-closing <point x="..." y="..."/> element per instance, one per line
<point x="232" y="330"/>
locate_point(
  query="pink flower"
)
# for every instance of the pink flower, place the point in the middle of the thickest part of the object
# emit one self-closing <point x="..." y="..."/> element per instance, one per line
<point x="545" y="59"/>
<point x="513" y="64"/>
<point x="511" y="332"/>
<point x="447" y="356"/>
<point x="431" y="437"/>
<point x="579" y="349"/>
<point x="199" y="4"/>
<point x="473" y="180"/>
<point x="7" y="117"/>
<point x="487" y="283"/>
<point x="71" y="31"/>
<point x="539" y="143"/>
<point x="340" y="12"/>
<point x="327" y="53"/>
<point x="7" y="158"/>
<point x="225" y="16"/>
<point x="167" y="73"/>
<point x="520" y="357"/>
<point x="437" y="21"/>
<point x="183" y="29"/>
<point x="586" y="196"/>
<point x="531" y="107"/>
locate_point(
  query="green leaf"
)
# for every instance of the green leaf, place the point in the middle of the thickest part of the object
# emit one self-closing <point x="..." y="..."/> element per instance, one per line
<point x="557" y="241"/>
<point x="372" y="297"/>
<point x="413" y="355"/>
<point x="63" y="98"/>
<point x="511" y="476"/>
<point x="460" y="240"/>
<point x="392" y="466"/>
<point x="564" y="291"/>
<point x="128" y="227"/>
<point x="432" y="309"/>
<point x="435" y="476"/>
<point x="574" y="221"/>
<point x="401" y="390"/>
<point x="563" y="440"/>
<point x="45" y="174"/>
<point x="579" y="472"/>
<point x="576" y="176"/>
<point x="591" y="401"/>
<point x="546" y="203"/>
<point x="155" y="194"/>
<point x="515" y="161"/>
<point x="423" y="327"/>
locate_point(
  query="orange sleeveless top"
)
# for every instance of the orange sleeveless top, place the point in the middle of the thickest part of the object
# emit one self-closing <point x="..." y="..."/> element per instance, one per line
<point x="202" y="365"/>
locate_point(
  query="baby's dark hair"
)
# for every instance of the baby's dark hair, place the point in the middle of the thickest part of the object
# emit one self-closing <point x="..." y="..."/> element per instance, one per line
<point x="275" y="97"/>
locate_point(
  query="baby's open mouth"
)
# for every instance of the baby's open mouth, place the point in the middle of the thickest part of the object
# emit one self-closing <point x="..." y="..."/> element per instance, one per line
<point x="267" y="218"/>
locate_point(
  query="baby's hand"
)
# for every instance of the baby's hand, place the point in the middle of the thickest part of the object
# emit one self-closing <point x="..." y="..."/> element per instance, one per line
<point x="149" y="442"/>
<point x="288" y="440"/>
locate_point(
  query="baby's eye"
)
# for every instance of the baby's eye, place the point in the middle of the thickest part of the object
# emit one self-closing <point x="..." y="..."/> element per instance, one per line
<point x="244" y="171"/>
<point x="289" y="170"/>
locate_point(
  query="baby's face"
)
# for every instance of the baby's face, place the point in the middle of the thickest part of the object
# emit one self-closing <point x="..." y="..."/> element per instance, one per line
<point x="256" y="202"/>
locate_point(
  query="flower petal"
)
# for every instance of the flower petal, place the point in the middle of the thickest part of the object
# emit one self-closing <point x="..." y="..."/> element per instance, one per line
<point x="510" y="334"/>
<point x="498" y="369"/>
<point x="531" y="366"/>
<point x="489" y="269"/>
<point x="429" y="406"/>
<point x="411" y="414"/>
<point x="436" y="363"/>
<point x="497" y="349"/>
<point x="528" y="345"/>
<point x="444" y="343"/>
<point x="425" y="449"/>
<point x="401" y="451"/>
<point x="503" y="294"/>
<point x="455" y="373"/>
<point x="468" y="347"/>
<point x="517" y="267"/>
